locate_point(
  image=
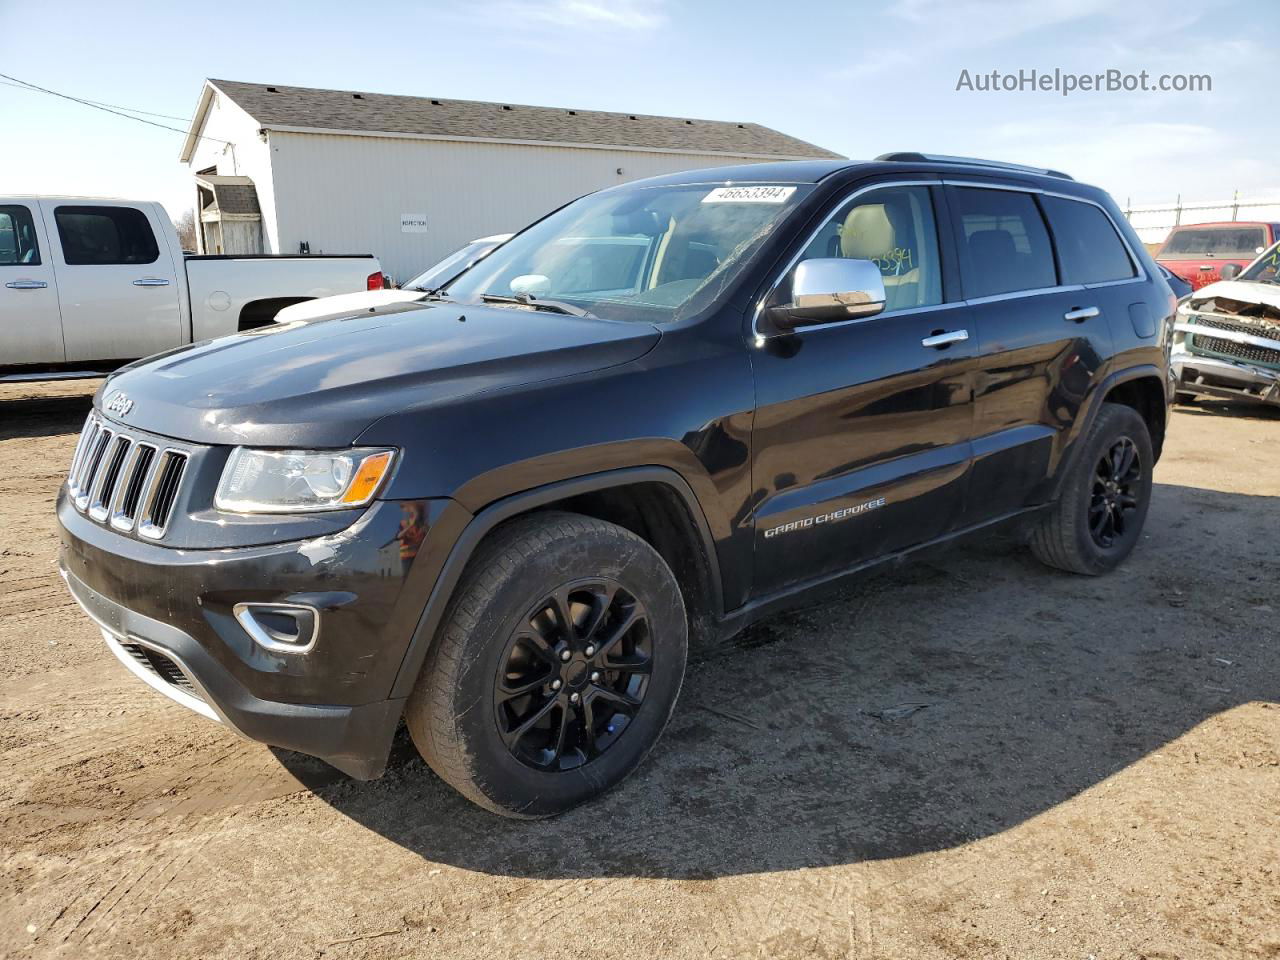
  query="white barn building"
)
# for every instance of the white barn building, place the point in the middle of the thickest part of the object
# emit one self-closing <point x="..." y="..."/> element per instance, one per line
<point x="292" y="169"/>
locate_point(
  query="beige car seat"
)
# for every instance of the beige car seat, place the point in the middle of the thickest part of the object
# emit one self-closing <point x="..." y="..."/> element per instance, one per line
<point x="867" y="234"/>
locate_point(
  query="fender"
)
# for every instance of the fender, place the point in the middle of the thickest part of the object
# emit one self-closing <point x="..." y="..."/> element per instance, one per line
<point x="1093" y="406"/>
<point x="488" y="518"/>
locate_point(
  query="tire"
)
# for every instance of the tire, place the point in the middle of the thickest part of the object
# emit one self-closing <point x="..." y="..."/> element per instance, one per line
<point x="502" y="634"/>
<point x="1067" y="536"/>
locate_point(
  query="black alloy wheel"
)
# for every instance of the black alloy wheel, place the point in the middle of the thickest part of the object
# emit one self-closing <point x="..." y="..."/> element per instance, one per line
<point x="573" y="675"/>
<point x="556" y="667"/>
<point x="1116" y="486"/>
<point x="1098" y="516"/>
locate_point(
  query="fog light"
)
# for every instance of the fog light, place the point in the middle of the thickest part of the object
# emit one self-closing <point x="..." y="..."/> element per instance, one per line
<point x="280" y="627"/>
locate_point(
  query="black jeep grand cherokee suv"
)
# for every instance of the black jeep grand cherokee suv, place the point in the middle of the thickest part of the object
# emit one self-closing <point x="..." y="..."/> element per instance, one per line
<point x="664" y="410"/>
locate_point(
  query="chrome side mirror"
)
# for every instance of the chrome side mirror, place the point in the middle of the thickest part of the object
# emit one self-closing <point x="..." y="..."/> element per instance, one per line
<point x="828" y="290"/>
<point x="1230" y="271"/>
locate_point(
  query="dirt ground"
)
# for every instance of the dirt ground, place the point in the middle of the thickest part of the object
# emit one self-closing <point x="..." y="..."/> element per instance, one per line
<point x="971" y="756"/>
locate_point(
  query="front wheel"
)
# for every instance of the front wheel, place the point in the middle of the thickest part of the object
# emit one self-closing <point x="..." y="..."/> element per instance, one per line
<point x="556" y="668"/>
<point x="1098" y="517"/>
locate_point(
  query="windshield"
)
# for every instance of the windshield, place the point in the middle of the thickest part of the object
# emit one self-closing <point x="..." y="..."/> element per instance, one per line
<point x="1264" y="269"/>
<point x="452" y="265"/>
<point x="648" y="253"/>
<point x="1241" y="243"/>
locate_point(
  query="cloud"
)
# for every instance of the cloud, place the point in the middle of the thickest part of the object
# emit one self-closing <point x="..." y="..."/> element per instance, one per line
<point x="625" y="15"/>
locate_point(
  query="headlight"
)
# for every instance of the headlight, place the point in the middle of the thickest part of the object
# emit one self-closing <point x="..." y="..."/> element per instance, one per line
<point x="291" y="481"/>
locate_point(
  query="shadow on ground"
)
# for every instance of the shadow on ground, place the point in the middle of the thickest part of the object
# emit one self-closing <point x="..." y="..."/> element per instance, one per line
<point x="938" y="703"/>
<point x="24" y="412"/>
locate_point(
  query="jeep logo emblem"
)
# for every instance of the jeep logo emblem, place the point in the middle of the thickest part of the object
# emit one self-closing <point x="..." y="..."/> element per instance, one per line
<point x="119" y="403"/>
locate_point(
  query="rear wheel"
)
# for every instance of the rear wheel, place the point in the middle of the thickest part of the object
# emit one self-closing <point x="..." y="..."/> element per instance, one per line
<point x="556" y="669"/>
<point x="1099" y="515"/>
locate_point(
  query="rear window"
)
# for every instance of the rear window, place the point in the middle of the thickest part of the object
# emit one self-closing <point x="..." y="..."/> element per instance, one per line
<point x="17" y="237"/>
<point x="1006" y="245"/>
<point x="1089" y="249"/>
<point x="105" y="235"/>
<point x="1237" y="242"/>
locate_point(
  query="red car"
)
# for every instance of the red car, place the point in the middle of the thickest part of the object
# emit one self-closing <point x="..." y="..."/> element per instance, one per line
<point x="1199" y="251"/>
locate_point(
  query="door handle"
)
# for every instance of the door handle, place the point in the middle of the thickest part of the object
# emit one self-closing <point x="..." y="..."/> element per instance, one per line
<point x="1080" y="314"/>
<point x="26" y="285"/>
<point x="151" y="282"/>
<point x="945" y="338"/>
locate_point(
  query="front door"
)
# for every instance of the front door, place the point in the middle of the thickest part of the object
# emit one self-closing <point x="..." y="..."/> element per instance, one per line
<point x="30" y="328"/>
<point x="118" y="284"/>
<point x="861" y="439"/>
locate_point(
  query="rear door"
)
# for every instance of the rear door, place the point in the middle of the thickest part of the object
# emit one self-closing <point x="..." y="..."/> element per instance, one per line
<point x="1043" y="340"/>
<point x="30" y="327"/>
<point x="118" y="286"/>
<point x="861" y="438"/>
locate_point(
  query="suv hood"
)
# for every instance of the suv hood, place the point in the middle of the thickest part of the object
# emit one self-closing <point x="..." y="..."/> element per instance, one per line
<point x="344" y="304"/>
<point x="321" y="383"/>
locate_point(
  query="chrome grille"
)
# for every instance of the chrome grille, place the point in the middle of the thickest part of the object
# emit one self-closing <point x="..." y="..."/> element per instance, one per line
<point x="123" y="479"/>
<point x="1248" y="352"/>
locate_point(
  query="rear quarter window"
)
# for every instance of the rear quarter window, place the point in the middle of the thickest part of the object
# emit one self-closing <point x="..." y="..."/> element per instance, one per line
<point x="105" y="235"/>
<point x="1089" y="249"/>
<point x="1004" y="243"/>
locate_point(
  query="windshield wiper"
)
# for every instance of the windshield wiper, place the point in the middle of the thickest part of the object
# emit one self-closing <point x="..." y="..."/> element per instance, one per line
<point x="525" y="300"/>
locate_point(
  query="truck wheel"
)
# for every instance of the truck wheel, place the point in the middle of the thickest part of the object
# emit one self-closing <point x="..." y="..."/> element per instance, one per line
<point x="556" y="668"/>
<point x="1099" y="515"/>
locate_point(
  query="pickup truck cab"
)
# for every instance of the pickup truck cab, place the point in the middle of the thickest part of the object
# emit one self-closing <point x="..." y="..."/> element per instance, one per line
<point x="1204" y="253"/>
<point x="503" y="513"/>
<point x="89" y="284"/>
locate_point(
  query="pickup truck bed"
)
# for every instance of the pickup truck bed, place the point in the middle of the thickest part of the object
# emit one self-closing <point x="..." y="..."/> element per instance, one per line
<point x="87" y="285"/>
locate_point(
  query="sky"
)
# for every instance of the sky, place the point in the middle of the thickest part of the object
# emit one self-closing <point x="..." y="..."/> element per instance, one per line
<point x="860" y="78"/>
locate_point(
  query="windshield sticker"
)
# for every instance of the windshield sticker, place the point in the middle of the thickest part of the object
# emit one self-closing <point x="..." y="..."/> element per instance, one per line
<point x="755" y="194"/>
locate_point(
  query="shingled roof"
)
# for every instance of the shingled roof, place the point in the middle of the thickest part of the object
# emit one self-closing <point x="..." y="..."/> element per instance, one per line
<point x="275" y="106"/>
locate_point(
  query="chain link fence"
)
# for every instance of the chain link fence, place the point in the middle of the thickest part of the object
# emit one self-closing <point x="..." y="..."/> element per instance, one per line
<point x="1154" y="223"/>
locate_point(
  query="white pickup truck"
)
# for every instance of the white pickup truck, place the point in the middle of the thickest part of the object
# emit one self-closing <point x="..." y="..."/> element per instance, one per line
<point x="87" y="285"/>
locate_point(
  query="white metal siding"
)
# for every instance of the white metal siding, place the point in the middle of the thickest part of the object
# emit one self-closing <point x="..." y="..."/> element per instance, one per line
<point x="344" y="194"/>
<point x="243" y="154"/>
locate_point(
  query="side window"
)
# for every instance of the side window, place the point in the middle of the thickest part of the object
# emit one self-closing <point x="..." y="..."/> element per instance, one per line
<point x="895" y="229"/>
<point x="1006" y="242"/>
<point x="18" y="245"/>
<point x="105" y="235"/>
<point x="1089" y="249"/>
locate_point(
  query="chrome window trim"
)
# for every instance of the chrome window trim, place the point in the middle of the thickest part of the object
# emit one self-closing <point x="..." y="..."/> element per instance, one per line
<point x="1133" y="258"/>
<point x="760" y="337"/>
<point x="1141" y="275"/>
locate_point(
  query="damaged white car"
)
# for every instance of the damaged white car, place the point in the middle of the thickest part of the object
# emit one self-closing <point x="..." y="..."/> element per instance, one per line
<point x="1226" y="340"/>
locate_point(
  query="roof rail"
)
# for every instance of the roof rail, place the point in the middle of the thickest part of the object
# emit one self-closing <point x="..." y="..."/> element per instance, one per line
<point x="908" y="157"/>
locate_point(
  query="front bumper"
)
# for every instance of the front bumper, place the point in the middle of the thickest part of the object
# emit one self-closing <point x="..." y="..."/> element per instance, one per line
<point x="1213" y="377"/>
<point x="356" y="739"/>
<point x="167" y="614"/>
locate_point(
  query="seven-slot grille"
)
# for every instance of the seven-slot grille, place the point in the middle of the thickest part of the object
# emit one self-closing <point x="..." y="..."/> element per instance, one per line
<point x="1229" y="348"/>
<point x="124" y="480"/>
